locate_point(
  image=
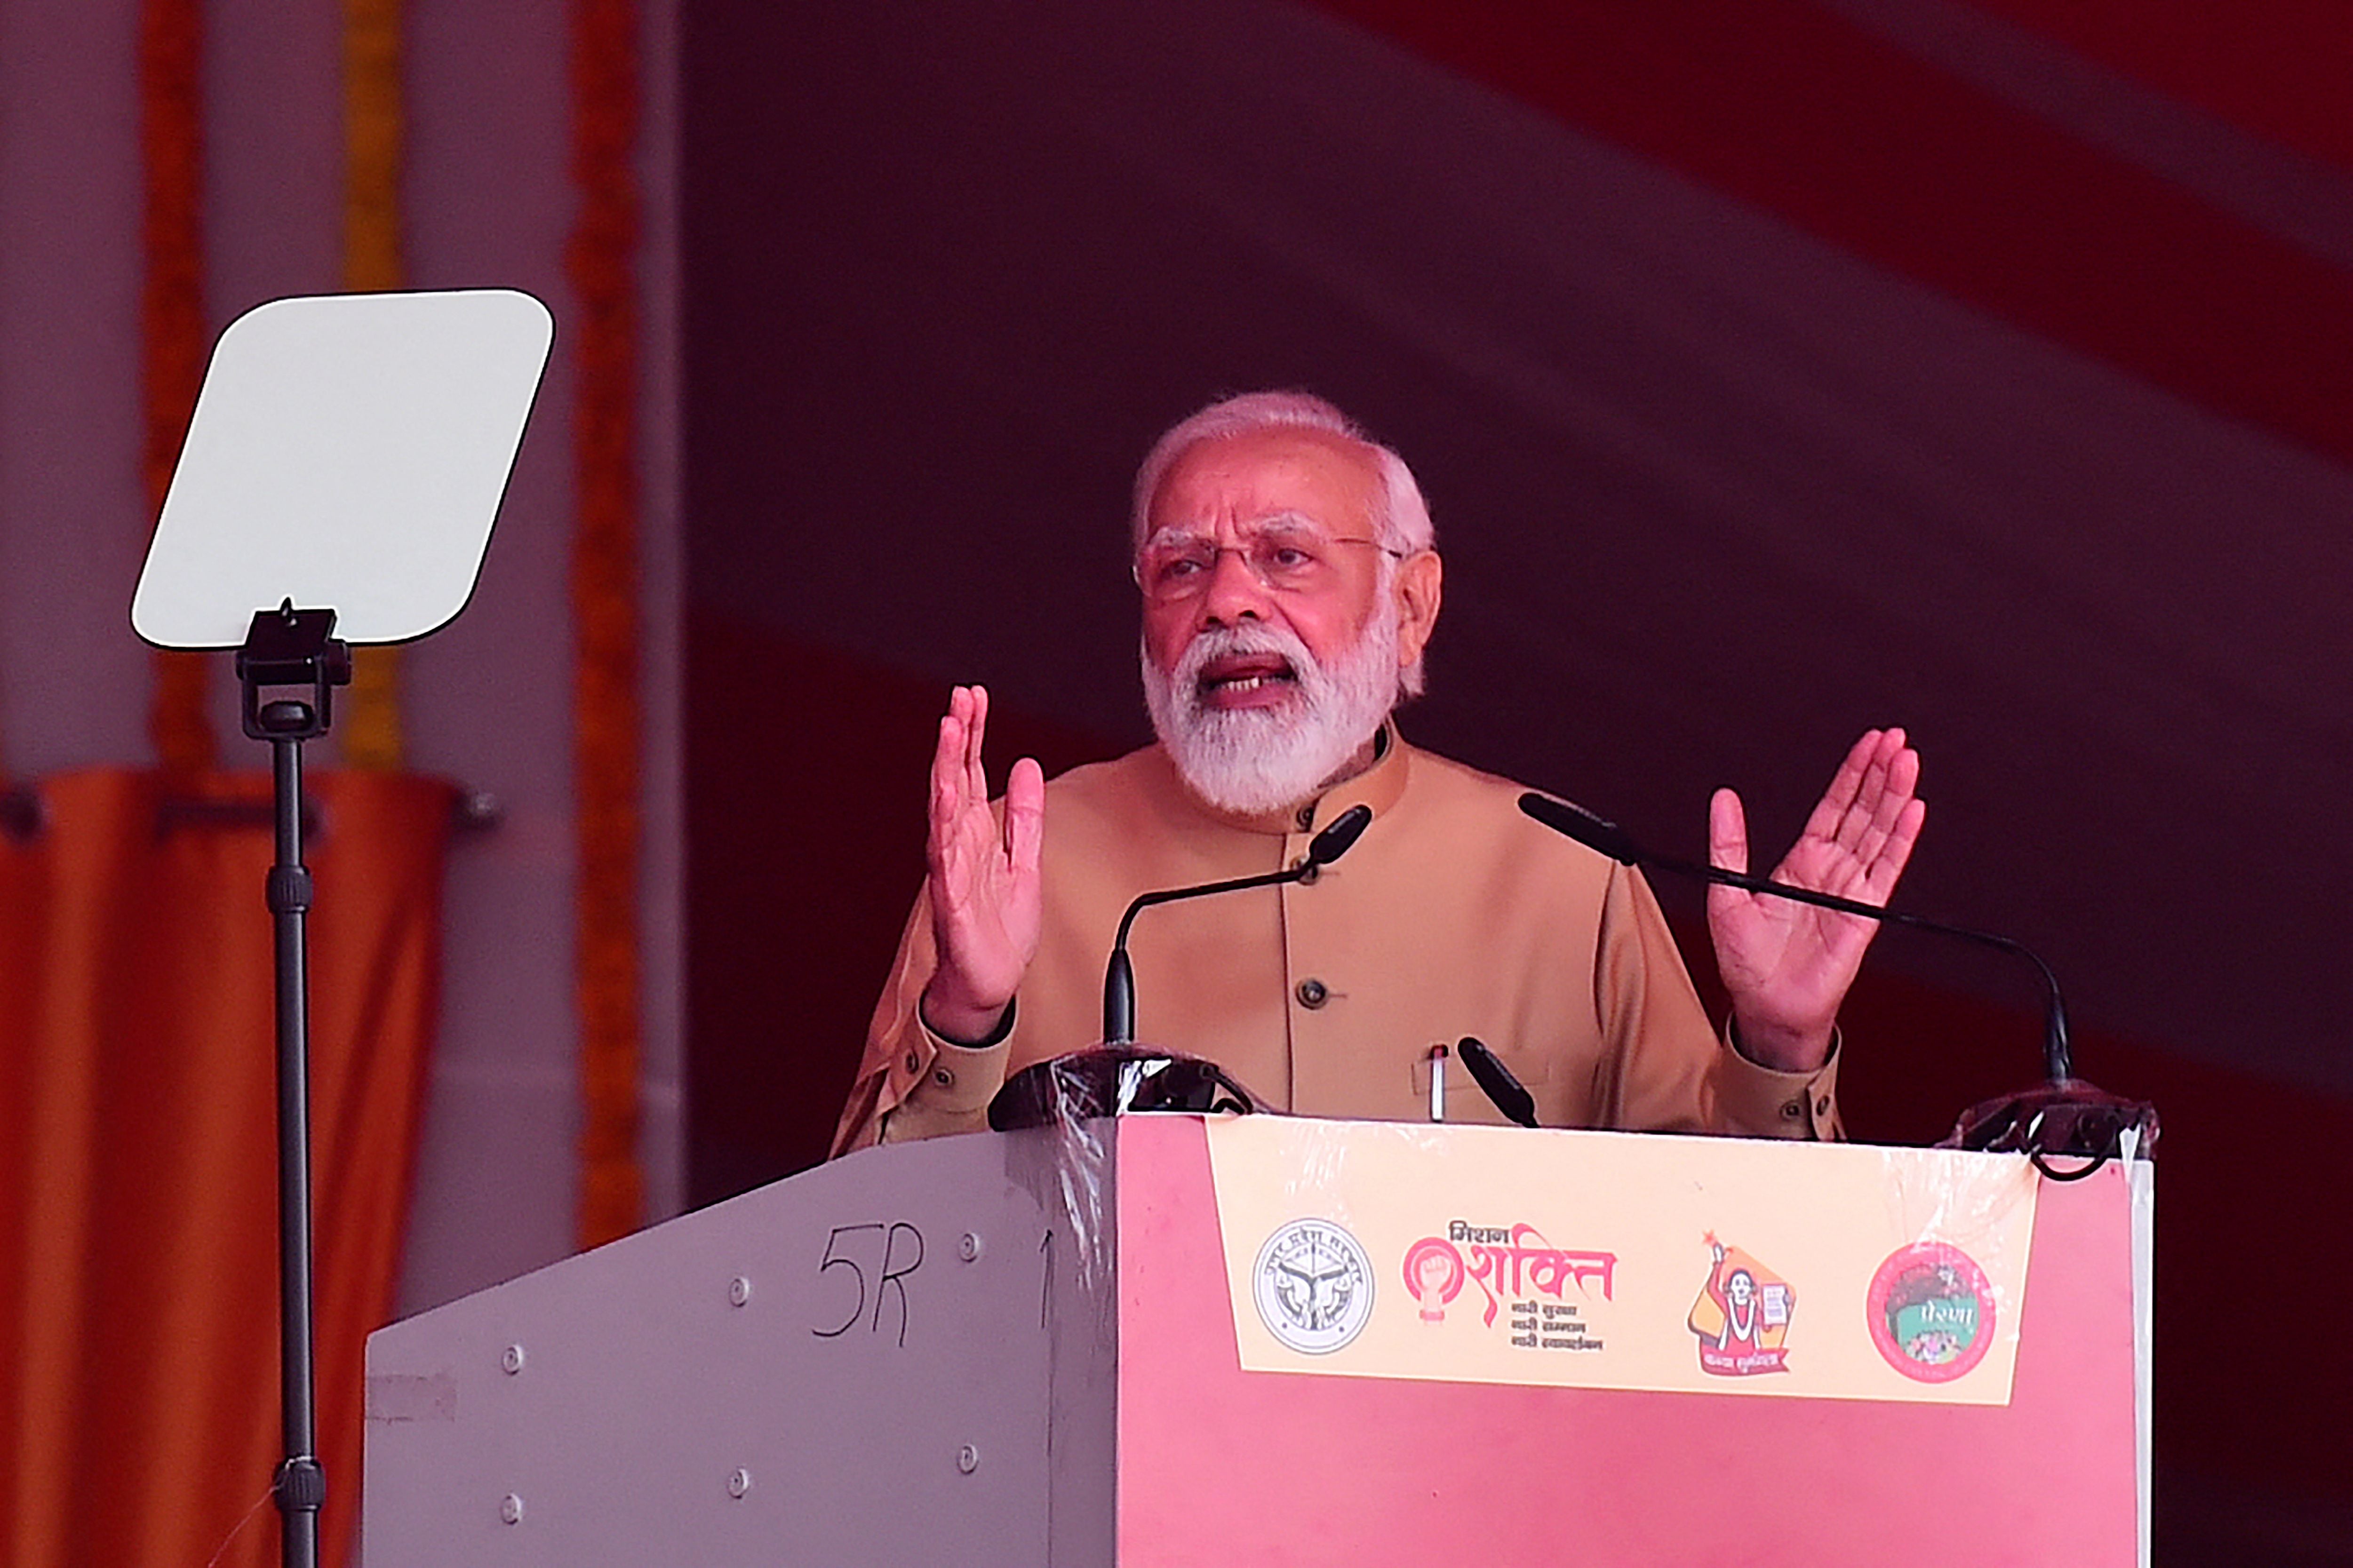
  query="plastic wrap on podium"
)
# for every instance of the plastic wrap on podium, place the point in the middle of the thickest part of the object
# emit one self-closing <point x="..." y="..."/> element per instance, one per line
<point x="1177" y="1340"/>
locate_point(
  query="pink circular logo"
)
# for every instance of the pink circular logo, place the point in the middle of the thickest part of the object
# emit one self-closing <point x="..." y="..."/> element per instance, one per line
<point x="1932" y="1311"/>
<point x="1433" y="1272"/>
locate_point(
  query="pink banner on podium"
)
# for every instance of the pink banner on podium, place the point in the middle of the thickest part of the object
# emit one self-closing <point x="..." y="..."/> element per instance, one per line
<point x="1347" y="1343"/>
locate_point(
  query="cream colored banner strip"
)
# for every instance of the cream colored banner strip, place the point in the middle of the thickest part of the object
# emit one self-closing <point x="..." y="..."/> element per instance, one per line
<point x="1612" y="1260"/>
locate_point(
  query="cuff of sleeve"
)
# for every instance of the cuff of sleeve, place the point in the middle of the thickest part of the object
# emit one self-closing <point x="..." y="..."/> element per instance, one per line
<point x="956" y="1079"/>
<point x="961" y="1079"/>
<point x="1767" y="1102"/>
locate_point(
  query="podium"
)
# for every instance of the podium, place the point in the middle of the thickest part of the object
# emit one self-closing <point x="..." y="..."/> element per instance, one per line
<point x="1166" y="1340"/>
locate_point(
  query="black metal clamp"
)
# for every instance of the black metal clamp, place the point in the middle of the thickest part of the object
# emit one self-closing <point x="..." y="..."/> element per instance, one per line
<point x="287" y="646"/>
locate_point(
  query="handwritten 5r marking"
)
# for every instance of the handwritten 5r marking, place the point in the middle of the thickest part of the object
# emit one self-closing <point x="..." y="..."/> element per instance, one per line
<point x="890" y="1275"/>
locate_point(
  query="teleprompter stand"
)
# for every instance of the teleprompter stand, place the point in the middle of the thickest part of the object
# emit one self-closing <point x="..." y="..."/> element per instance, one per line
<point x="288" y="648"/>
<point x="349" y="451"/>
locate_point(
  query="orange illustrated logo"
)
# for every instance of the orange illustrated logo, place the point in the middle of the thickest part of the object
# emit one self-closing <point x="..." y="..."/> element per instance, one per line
<point x="1741" y="1317"/>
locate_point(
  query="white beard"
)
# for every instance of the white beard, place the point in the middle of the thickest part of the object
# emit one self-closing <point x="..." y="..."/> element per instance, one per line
<point x="1253" y="761"/>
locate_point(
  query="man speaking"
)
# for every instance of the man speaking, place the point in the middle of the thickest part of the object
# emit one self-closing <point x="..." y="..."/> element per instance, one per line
<point x="1290" y="583"/>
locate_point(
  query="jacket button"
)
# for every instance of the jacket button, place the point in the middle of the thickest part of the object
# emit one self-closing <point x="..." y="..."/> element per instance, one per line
<point x="1793" y="1109"/>
<point x="1822" y="1106"/>
<point x="944" y="1078"/>
<point x="915" y="1062"/>
<point x="1306" y="818"/>
<point x="1308" y="871"/>
<point x="1311" y="994"/>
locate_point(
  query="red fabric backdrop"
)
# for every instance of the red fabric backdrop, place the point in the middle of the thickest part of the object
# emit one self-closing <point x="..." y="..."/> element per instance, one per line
<point x="139" y="1391"/>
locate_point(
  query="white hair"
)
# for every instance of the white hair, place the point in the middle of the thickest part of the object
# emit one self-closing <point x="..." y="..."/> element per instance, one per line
<point x="1400" y="523"/>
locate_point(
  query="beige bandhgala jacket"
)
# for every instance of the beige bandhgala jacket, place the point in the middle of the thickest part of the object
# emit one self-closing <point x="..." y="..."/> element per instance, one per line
<point x="1452" y="915"/>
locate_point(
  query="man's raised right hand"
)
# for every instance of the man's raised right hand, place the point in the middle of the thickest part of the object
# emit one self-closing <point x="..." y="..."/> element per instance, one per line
<point x="984" y="884"/>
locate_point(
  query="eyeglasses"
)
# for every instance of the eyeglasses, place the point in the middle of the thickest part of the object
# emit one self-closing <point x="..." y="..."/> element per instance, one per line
<point x="1285" y="558"/>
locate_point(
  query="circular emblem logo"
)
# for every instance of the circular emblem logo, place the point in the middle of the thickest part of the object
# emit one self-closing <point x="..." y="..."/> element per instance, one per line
<point x="1314" y="1286"/>
<point x="1931" y="1311"/>
<point x="1433" y="1272"/>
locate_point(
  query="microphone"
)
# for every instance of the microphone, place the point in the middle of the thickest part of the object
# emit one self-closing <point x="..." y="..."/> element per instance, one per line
<point x="1119" y="974"/>
<point x="1506" y="1093"/>
<point x="1605" y="836"/>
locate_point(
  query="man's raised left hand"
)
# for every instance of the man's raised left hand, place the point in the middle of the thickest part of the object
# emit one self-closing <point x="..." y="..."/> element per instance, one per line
<point x="1787" y="965"/>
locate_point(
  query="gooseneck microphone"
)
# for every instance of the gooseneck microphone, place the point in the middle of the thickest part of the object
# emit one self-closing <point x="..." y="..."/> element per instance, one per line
<point x="1119" y="975"/>
<point x="1604" y="836"/>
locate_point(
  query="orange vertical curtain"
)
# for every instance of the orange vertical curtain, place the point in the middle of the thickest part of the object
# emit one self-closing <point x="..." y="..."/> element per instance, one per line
<point x="171" y="319"/>
<point x="139" y="1387"/>
<point x="368" y="728"/>
<point x="599" y="260"/>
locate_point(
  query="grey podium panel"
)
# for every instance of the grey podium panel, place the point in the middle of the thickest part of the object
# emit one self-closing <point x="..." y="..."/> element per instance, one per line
<point x="895" y="1359"/>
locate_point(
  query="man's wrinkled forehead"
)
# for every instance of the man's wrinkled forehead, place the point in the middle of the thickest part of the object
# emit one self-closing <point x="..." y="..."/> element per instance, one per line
<point x="1304" y="477"/>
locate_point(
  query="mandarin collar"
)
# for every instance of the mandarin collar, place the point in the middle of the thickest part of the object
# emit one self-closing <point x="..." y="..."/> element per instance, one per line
<point x="1379" y="786"/>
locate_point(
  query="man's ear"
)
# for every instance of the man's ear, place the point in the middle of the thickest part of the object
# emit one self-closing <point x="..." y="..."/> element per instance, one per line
<point x="1421" y="584"/>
